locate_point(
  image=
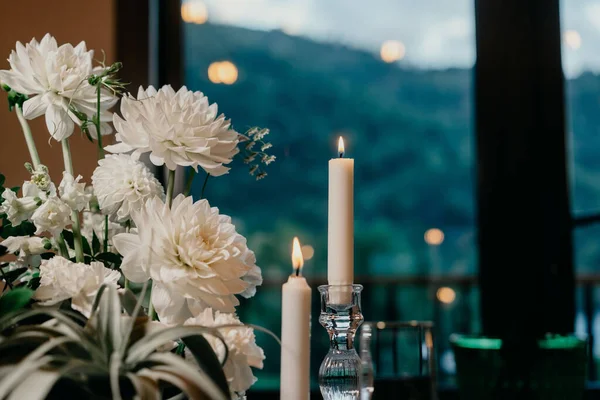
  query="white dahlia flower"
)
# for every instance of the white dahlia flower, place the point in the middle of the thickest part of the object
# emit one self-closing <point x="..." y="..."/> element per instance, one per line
<point x="241" y="343"/>
<point x="55" y="79"/>
<point x="177" y="128"/>
<point x="73" y="193"/>
<point x="62" y="279"/>
<point x="194" y="256"/>
<point x="122" y="185"/>
<point x="52" y="216"/>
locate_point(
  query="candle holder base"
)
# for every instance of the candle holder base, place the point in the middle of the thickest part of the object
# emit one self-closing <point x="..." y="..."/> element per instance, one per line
<point x="341" y="315"/>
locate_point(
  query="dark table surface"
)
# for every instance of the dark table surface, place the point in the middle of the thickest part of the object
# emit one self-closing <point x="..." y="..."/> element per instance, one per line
<point x="445" y="393"/>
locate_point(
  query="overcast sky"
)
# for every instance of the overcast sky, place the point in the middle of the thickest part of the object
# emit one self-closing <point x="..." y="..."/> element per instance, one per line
<point x="436" y="33"/>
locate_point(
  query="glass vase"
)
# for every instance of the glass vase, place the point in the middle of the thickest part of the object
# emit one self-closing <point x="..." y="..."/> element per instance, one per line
<point x="341" y="315"/>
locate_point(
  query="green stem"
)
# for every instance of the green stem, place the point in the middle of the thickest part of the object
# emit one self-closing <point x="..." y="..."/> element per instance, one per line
<point x="62" y="246"/>
<point x="74" y="214"/>
<point x="66" y="148"/>
<point x="127" y="229"/>
<point x="97" y="123"/>
<point x="105" y="247"/>
<point x="151" y="312"/>
<point x="170" y="186"/>
<point x="204" y="185"/>
<point x="189" y="181"/>
<point x="35" y="158"/>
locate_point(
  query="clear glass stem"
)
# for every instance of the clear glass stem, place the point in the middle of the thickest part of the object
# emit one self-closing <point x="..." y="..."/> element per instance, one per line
<point x="341" y="315"/>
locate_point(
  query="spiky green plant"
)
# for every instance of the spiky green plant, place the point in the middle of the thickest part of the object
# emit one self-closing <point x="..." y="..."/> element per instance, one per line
<point x="45" y="352"/>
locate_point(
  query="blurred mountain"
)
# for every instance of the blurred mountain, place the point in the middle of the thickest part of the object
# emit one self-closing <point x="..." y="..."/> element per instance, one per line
<point x="410" y="132"/>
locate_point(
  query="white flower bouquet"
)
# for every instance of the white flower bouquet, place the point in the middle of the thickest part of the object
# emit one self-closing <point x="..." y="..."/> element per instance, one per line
<point x="120" y="288"/>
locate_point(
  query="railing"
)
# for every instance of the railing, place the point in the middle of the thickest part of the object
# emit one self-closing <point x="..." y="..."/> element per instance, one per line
<point x="463" y="286"/>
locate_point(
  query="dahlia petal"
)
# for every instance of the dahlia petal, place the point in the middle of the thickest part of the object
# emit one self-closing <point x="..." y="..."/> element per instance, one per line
<point x="34" y="107"/>
<point x="58" y="122"/>
<point x="169" y="305"/>
<point x="222" y="303"/>
<point x="128" y="245"/>
<point x="118" y="148"/>
<point x="105" y="129"/>
<point x="156" y="160"/>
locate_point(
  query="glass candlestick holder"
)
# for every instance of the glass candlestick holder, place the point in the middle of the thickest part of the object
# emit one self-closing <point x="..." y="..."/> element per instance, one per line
<point x="341" y="315"/>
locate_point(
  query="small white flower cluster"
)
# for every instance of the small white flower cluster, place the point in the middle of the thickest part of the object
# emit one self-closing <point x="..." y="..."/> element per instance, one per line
<point x="28" y="249"/>
<point x="255" y="151"/>
<point x="243" y="352"/>
<point x="62" y="279"/>
<point x="41" y="204"/>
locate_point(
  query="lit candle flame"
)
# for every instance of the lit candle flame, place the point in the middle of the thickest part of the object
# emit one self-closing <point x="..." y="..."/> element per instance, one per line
<point x="341" y="149"/>
<point x="297" y="259"/>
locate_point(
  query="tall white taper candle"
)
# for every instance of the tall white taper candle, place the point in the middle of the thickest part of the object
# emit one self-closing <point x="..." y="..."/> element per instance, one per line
<point x="340" y="246"/>
<point x="295" y="332"/>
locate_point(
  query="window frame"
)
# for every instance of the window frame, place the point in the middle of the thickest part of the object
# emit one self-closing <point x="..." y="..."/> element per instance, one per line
<point x="524" y="218"/>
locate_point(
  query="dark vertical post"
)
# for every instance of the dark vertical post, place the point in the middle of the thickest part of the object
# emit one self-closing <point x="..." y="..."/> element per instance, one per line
<point x="132" y="25"/>
<point x="588" y="304"/>
<point x="166" y="56"/>
<point x="169" y="43"/>
<point x="525" y="240"/>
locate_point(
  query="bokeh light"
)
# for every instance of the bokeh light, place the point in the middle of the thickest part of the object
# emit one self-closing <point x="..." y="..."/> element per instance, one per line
<point x="194" y="12"/>
<point x="381" y="325"/>
<point x="434" y="236"/>
<point x="308" y="252"/>
<point x="223" y="72"/>
<point x="446" y="295"/>
<point x="392" y="50"/>
<point x="572" y="39"/>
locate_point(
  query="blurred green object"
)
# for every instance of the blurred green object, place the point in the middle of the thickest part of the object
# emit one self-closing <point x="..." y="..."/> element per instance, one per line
<point x="550" y="368"/>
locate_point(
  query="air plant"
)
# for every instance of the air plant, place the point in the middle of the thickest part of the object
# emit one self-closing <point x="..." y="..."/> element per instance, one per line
<point x="111" y="355"/>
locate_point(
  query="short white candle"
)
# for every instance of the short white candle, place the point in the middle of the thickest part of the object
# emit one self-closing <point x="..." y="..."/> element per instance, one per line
<point x="340" y="246"/>
<point x="295" y="332"/>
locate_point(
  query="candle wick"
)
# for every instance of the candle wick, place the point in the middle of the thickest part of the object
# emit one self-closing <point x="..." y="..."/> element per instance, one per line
<point x="341" y="154"/>
<point x="297" y="271"/>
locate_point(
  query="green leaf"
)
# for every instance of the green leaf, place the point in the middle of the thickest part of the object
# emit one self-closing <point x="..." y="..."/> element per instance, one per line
<point x="15" y="299"/>
<point x="177" y="371"/>
<point x="112" y="258"/>
<point x="10" y="276"/>
<point x="86" y="246"/>
<point x="95" y="243"/>
<point x="86" y="259"/>
<point x="14" y="98"/>
<point x="34" y="283"/>
<point x="25" y="228"/>
<point x="2" y="179"/>
<point x="129" y="302"/>
<point x="207" y="360"/>
<point x="69" y="238"/>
